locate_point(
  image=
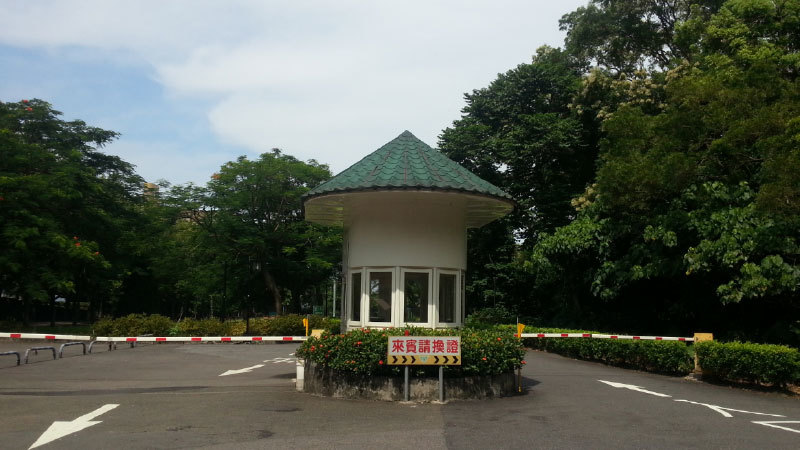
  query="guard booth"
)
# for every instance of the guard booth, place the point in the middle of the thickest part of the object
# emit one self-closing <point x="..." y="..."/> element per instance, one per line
<point x="405" y="210"/>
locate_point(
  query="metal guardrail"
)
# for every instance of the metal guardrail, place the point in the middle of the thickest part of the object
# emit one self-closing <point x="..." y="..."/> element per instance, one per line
<point x="11" y="353"/>
<point x="111" y="345"/>
<point x="69" y="344"/>
<point x="36" y="352"/>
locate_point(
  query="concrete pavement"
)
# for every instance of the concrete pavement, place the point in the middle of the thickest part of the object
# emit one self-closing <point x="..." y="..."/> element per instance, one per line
<point x="172" y="396"/>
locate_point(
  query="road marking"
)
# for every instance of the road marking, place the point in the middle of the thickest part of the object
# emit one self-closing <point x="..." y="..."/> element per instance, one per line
<point x="281" y="360"/>
<point x="60" y="429"/>
<point x="773" y="422"/>
<point x="724" y="411"/>
<point x="238" y="371"/>
<point x="633" y="388"/>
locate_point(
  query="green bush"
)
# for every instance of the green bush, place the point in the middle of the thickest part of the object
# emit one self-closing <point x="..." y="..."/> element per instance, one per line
<point x="202" y="327"/>
<point x="489" y="317"/>
<point x="130" y="325"/>
<point x="668" y="357"/>
<point x="288" y="325"/>
<point x="103" y="327"/>
<point x="753" y="363"/>
<point x="363" y="351"/>
<point x="158" y="325"/>
<point x="329" y="324"/>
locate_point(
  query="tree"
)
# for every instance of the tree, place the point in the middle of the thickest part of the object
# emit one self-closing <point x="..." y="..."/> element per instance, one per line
<point x="252" y="211"/>
<point x="695" y="202"/>
<point x="61" y="200"/>
<point x="520" y="134"/>
<point x="623" y="36"/>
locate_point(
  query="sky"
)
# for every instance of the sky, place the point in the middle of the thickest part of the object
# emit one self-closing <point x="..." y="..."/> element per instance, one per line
<point x="192" y="84"/>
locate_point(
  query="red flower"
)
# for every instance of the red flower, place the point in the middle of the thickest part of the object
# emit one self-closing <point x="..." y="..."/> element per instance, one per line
<point x="29" y="109"/>
<point x="25" y="101"/>
<point x="313" y="348"/>
<point x="380" y="362"/>
<point x="523" y="362"/>
<point x="96" y="253"/>
<point x="498" y="339"/>
<point x="77" y="244"/>
<point x="484" y="358"/>
<point x="75" y="237"/>
<point x="358" y="343"/>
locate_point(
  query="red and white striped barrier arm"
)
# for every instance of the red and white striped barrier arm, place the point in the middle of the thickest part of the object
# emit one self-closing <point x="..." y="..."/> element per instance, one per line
<point x="201" y="339"/>
<point x="606" y="336"/>
<point x="50" y="337"/>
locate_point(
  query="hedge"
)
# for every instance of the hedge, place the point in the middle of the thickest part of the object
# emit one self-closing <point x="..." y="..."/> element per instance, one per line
<point x="157" y="325"/>
<point x="752" y="363"/>
<point x="667" y="357"/>
<point x="363" y="351"/>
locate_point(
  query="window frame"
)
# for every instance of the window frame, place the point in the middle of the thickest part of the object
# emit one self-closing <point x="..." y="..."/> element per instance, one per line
<point x="402" y="296"/>
<point x="365" y="297"/>
<point x="349" y="309"/>
<point x="458" y="312"/>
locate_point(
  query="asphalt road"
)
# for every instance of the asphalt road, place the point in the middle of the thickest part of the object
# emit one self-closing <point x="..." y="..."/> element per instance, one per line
<point x="172" y="396"/>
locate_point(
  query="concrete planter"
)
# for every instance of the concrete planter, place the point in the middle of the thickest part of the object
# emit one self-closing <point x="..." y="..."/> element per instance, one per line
<point x="333" y="383"/>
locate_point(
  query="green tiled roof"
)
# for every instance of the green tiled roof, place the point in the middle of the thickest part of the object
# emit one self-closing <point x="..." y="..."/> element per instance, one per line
<point x="407" y="163"/>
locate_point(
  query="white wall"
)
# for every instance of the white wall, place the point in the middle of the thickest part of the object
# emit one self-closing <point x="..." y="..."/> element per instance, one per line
<point x="412" y="229"/>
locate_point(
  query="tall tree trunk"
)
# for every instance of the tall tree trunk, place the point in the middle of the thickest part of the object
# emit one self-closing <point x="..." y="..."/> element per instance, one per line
<point x="272" y="288"/>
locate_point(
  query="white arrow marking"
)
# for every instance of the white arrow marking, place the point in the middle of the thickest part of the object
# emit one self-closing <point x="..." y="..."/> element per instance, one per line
<point x="238" y="371"/>
<point x="60" y="429"/>
<point x="281" y="360"/>
<point x="772" y="424"/>
<point x="633" y="388"/>
<point x="724" y="411"/>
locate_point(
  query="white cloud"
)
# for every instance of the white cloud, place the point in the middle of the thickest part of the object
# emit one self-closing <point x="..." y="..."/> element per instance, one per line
<point x="323" y="80"/>
<point x="165" y="160"/>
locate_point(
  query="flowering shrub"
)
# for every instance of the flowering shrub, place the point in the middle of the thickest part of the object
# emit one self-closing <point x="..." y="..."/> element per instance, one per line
<point x="363" y="351"/>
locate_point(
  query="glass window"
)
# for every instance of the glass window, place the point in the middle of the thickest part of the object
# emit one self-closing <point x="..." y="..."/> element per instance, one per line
<point x="355" y="297"/>
<point x="415" y="296"/>
<point x="380" y="296"/>
<point x="447" y="297"/>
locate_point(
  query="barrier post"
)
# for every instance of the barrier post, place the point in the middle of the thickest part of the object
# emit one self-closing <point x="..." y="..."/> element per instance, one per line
<point x="36" y="352"/>
<point x="700" y="337"/>
<point x="305" y="324"/>
<point x="301" y="374"/>
<point x="441" y="384"/>
<point x="520" y="330"/>
<point x="405" y="386"/>
<point x="11" y="353"/>
<point x="68" y="344"/>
